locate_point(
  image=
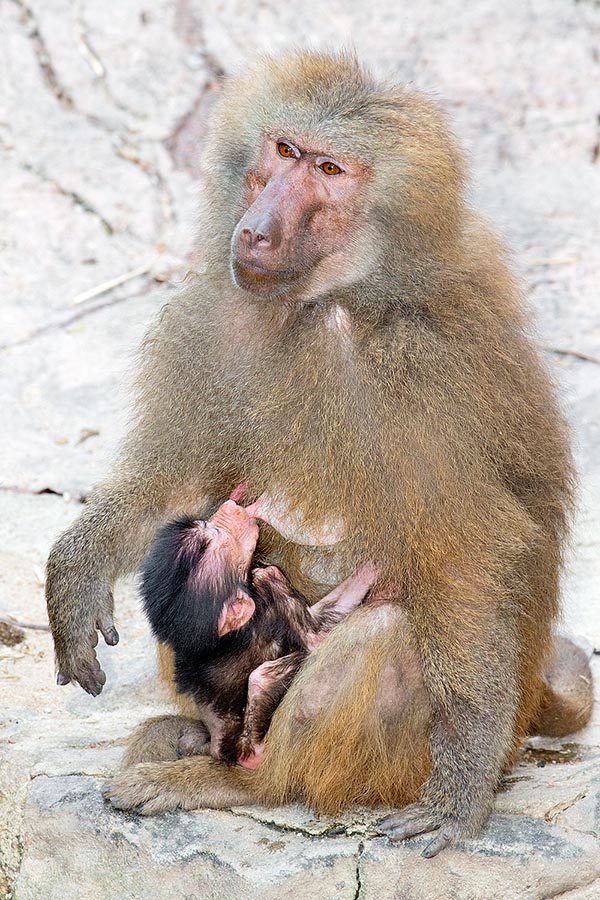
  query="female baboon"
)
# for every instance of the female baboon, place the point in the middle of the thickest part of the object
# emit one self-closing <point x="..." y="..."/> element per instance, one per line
<point x="357" y="351"/>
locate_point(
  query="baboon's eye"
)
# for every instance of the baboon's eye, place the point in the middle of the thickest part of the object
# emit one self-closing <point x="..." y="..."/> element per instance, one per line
<point x="287" y="150"/>
<point x="330" y="168"/>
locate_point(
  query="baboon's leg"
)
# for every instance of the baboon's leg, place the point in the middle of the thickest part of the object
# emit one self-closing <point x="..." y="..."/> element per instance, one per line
<point x="568" y="692"/>
<point x="165" y="738"/>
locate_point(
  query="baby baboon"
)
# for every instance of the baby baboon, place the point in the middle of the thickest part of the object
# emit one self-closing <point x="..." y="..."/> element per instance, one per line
<point x="238" y="637"/>
<point x="358" y="351"/>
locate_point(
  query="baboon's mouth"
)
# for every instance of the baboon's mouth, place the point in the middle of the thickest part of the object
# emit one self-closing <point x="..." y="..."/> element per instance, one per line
<point x="259" y="280"/>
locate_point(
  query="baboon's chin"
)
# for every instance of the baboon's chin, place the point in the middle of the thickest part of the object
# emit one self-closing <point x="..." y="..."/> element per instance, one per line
<point x="263" y="282"/>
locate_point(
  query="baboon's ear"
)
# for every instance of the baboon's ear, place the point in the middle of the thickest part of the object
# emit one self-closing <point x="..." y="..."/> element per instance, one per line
<point x="235" y="613"/>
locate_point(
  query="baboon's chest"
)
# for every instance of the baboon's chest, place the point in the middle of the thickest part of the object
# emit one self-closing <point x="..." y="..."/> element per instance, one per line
<point x="290" y="522"/>
<point x="314" y="544"/>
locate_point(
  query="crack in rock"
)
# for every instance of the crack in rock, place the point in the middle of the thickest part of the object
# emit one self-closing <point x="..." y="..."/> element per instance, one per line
<point x="359" y="853"/>
<point x="39" y="492"/>
<point x="9" y="870"/>
<point x="191" y="29"/>
<point x="50" y="76"/>
<point x="100" y="775"/>
<point x="73" y="196"/>
<point x="575" y="887"/>
<point x="98" y="67"/>
<point x="183" y="140"/>
<point x="43" y="56"/>
<point x="166" y="213"/>
<point x="166" y="198"/>
<point x="553" y="814"/>
<point x="334" y="830"/>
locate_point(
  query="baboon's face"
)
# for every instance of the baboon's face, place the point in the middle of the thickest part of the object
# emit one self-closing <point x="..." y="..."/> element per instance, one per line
<point x="301" y="206"/>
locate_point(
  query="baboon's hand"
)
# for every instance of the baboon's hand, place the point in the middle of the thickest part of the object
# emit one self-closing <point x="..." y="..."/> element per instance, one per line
<point x="417" y="818"/>
<point x="76" y="657"/>
<point x="78" y="607"/>
<point x="85" y="670"/>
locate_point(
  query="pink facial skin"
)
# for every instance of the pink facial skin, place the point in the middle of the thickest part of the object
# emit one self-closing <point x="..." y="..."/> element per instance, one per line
<point x="234" y="533"/>
<point x="300" y="204"/>
<point x="233" y="536"/>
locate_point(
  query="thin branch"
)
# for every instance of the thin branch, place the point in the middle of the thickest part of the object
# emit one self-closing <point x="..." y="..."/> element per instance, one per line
<point x="110" y="284"/>
<point x="552" y="260"/>
<point x="74" y="317"/>
<point x="34" y="626"/>
<point x="576" y="354"/>
<point x="84" y="47"/>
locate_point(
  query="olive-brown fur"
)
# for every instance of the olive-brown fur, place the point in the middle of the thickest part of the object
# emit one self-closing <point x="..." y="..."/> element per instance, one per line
<point x="409" y="403"/>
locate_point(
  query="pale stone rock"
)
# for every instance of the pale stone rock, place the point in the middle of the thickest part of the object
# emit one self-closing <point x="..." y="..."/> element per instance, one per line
<point x="103" y="111"/>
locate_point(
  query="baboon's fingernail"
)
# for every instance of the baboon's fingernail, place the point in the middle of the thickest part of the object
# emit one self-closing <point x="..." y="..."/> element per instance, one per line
<point x="112" y="637"/>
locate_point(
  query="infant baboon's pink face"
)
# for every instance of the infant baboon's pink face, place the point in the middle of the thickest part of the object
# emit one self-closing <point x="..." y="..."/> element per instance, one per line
<point x="233" y="533"/>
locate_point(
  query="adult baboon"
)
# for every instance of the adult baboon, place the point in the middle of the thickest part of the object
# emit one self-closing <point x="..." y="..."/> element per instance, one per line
<point x="356" y="352"/>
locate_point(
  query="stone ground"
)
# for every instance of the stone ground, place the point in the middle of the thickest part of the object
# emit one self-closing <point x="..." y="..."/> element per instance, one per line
<point x="103" y="110"/>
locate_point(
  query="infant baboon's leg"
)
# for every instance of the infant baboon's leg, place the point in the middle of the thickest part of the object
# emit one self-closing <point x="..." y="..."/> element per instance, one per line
<point x="267" y="686"/>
